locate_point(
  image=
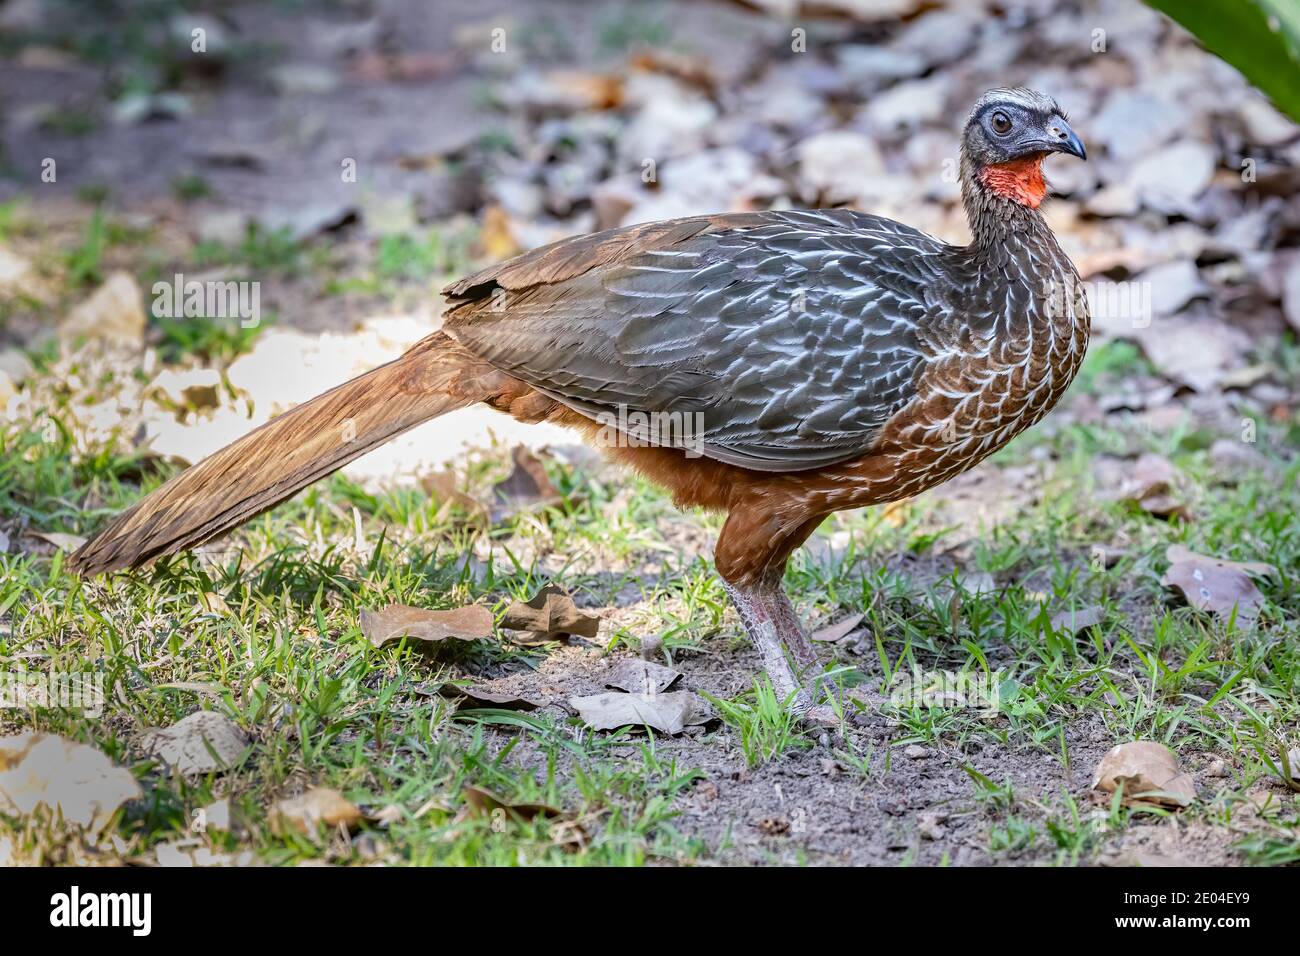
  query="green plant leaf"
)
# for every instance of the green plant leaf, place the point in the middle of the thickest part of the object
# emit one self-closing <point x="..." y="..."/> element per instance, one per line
<point x="1261" y="38"/>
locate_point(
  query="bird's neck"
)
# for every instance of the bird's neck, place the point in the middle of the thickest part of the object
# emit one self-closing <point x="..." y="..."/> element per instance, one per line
<point x="1009" y="237"/>
<point x="1001" y="202"/>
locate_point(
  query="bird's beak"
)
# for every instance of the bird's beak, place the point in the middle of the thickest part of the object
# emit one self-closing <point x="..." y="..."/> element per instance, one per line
<point x="1062" y="139"/>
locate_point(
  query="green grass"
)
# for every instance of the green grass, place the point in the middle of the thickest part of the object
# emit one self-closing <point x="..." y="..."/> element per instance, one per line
<point x="424" y="258"/>
<point x="288" y="664"/>
<point x="261" y="251"/>
<point x="190" y="187"/>
<point x="218" y="341"/>
<point x="283" y="656"/>
<point x="763" y="722"/>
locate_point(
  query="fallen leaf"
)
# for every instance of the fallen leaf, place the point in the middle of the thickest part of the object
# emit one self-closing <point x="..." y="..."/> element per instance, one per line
<point x="213" y="603"/>
<point x="1173" y="285"/>
<point x="62" y="541"/>
<point x="1235" y="459"/>
<point x="565" y="831"/>
<point x="570" y="90"/>
<point x="307" y="812"/>
<point x="1074" y="622"/>
<point x="472" y="623"/>
<point x="839" y="166"/>
<point x="485" y="802"/>
<point x="1153" y="485"/>
<point x="496" y="238"/>
<point x="442" y="486"/>
<point x="837" y="632"/>
<point x="78" y="782"/>
<point x="667" y="713"/>
<point x="203" y="742"/>
<point x="1169" y="178"/>
<point x="470" y="694"/>
<point x="1209" y="584"/>
<point x="638" y="676"/>
<point x="550" y="614"/>
<point x="1256" y="569"/>
<point x="1196" y="349"/>
<point x="690" y="70"/>
<point x="526" y="487"/>
<point x="1149" y="774"/>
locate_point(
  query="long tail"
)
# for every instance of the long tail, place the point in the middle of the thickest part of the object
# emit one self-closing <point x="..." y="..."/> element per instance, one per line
<point x="289" y="452"/>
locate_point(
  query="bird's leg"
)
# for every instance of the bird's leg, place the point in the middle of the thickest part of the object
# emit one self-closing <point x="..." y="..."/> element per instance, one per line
<point x="763" y="618"/>
<point x="751" y="556"/>
<point x="786" y="652"/>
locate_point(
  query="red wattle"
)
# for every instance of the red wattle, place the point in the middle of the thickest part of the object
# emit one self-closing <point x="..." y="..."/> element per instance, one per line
<point x="1020" y="180"/>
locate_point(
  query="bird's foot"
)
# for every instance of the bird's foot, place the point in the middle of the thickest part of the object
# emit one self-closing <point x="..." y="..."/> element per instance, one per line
<point x="821" y="717"/>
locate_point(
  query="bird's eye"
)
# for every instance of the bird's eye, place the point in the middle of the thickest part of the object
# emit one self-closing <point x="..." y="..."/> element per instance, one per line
<point x="1001" y="124"/>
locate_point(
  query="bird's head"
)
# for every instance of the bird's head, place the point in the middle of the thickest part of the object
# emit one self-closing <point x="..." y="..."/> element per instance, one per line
<point x="1008" y="134"/>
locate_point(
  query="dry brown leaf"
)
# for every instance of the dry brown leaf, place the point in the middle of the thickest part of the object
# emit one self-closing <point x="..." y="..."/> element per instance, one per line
<point x="580" y="89"/>
<point x="690" y="70"/>
<point x="550" y="614"/>
<point x="1210" y="584"/>
<point x="1154" y="485"/>
<point x="307" y="812"/>
<point x="496" y="238"/>
<point x="442" y="486"/>
<point x="1149" y="774"/>
<point x="837" y="632"/>
<point x="213" y="603"/>
<point x="78" y="782"/>
<point x="203" y="742"/>
<point x="638" y="676"/>
<point x="485" y="802"/>
<point x="472" y="623"/>
<point x="527" y="486"/>
<point x="667" y="713"/>
<point x="565" y="831"/>
<point x="1256" y="569"/>
<point x="474" y="696"/>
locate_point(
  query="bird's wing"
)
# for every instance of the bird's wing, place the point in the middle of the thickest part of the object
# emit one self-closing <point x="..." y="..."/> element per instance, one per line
<point x="776" y="341"/>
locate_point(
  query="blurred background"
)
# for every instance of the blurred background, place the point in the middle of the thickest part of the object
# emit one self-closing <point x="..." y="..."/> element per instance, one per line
<point x="350" y="157"/>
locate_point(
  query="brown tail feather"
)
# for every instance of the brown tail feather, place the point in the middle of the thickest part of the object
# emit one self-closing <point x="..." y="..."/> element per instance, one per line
<point x="286" y="454"/>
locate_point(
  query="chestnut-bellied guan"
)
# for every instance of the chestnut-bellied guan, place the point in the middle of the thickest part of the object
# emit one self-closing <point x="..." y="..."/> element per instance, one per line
<point x="828" y="359"/>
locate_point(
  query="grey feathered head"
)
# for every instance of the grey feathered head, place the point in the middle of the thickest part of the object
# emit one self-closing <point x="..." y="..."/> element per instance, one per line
<point x="1010" y="124"/>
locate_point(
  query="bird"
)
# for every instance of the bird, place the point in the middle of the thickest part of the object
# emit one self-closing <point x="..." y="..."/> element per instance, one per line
<point x="777" y="366"/>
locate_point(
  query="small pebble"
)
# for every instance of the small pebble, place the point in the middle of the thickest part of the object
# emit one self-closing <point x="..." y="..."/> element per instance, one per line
<point x="652" y="647"/>
<point x="930" y="825"/>
<point x="915" y="752"/>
